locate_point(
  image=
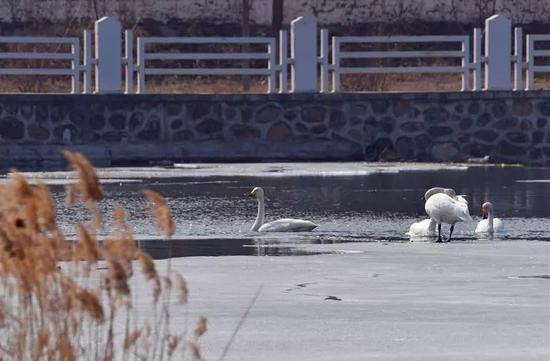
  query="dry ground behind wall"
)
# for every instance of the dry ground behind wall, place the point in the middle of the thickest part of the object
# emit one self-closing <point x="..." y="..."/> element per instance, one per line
<point x="330" y="12"/>
<point x="139" y="129"/>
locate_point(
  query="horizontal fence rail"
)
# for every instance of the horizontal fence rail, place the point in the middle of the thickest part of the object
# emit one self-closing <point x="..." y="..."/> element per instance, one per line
<point x="334" y="65"/>
<point x="532" y="54"/>
<point x="73" y="56"/>
<point x="269" y="55"/>
<point x="314" y="56"/>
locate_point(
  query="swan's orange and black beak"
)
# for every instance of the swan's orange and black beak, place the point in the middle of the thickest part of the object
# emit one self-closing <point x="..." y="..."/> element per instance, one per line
<point x="252" y="194"/>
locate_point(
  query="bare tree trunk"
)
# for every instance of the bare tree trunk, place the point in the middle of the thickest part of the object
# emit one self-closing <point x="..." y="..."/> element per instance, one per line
<point x="276" y="16"/>
<point x="96" y="11"/>
<point x="245" y="48"/>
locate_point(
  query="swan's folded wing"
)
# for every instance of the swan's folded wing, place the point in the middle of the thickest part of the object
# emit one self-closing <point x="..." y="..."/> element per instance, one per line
<point x="482" y="226"/>
<point x="462" y="199"/>
<point x="430" y="192"/>
<point x="498" y="225"/>
<point x="421" y="229"/>
<point x="441" y="207"/>
<point x="462" y="211"/>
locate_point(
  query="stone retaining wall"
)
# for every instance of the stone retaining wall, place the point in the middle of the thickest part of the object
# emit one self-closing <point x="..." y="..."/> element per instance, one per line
<point x="139" y="129"/>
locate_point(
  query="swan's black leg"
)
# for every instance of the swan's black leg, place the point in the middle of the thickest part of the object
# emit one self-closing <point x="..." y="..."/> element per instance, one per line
<point x="451" y="233"/>
<point x="439" y="232"/>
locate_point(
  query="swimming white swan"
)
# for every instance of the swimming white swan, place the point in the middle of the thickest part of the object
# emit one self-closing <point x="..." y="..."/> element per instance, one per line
<point x="489" y="224"/>
<point x="280" y="225"/>
<point x="444" y="206"/>
<point x="425" y="228"/>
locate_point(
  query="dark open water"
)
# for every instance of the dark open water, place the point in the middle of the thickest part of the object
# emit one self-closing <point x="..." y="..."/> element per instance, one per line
<point x="213" y="214"/>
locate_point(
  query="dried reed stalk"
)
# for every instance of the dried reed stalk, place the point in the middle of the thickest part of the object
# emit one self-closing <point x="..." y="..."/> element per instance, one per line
<point x="53" y="308"/>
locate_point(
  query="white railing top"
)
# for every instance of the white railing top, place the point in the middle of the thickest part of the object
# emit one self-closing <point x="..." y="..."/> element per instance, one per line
<point x="206" y="40"/>
<point x="539" y="37"/>
<point x="38" y="39"/>
<point x="37" y="56"/>
<point x="402" y="54"/>
<point x="205" y="56"/>
<point x="401" y="39"/>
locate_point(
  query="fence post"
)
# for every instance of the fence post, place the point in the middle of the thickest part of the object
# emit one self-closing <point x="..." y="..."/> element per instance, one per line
<point x="303" y="48"/>
<point x="530" y="58"/>
<point x="283" y="61"/>
<point x="88" y="61"/>
<point x="477" y="59"/>
<point x="518" y="59"/>
<point x="129" y="60"/>
<point x="108" y="47"/>
<point x="498" y="48"/>
<point x="324" y="61"/>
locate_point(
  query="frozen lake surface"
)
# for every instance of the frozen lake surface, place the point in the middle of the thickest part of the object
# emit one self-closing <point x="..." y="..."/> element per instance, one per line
<point x="356" y="288"/>
<point x="486" y="301"/>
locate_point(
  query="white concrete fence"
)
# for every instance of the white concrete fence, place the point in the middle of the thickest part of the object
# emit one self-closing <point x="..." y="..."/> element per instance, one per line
<point x="317" y="61"/>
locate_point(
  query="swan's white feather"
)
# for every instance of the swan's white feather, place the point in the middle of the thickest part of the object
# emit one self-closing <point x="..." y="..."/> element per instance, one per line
<point x="483" y="226"/>
<point x="288" y="225"/>
<point x="424" y="228"/>
<point x="463" y="200"/>
<point x="445" y="209"/>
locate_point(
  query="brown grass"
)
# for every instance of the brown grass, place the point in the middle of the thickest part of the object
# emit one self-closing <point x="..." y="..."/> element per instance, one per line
<point x="234" y="85"/>
<point x="52" y="309"/>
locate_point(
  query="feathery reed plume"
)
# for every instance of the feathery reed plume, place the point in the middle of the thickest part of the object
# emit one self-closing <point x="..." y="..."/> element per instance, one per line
<point x="88" y="247"/>
<point x="147" y="265"/>
<point x="87" y="186"/>
<point x="161" y="213"/>
<point x="173" y="343"/>
<point x="45" y="210"/>
<point x="195" y="351"/>
<point x="181" y="286"/>
<point x="131" y="339"/>
<point x="43" y="339"/>
<point x="89" y="302"/>
<point x="118" y="277"/>
<point x="201" y="327"/>
<point x="121" y="226"/>
<point x="59" y="300"/>
<point x="65" y="349"/>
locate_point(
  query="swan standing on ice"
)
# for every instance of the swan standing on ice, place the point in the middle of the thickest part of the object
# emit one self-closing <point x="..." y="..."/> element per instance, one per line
<point x="426" y="227"/>
<point x="444" y="206"/>
<point x="489" y="224"/>
<point x="280" y="225"/>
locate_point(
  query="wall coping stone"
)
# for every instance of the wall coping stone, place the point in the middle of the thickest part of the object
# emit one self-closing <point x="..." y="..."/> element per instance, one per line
<point x="355" y="96"/>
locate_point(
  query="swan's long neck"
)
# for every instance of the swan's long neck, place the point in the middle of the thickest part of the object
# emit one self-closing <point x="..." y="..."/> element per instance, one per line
<point x="490" y="221"/>
<point x="260" y="217"/>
